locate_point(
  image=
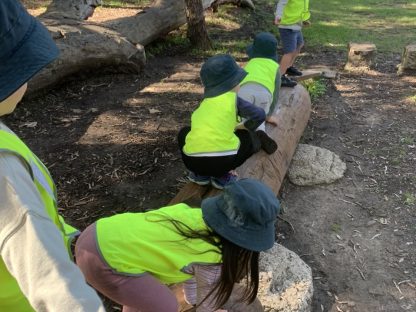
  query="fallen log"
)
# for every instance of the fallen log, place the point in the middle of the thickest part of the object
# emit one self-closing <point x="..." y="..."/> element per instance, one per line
<point x="84" y="46"/>
<point x="292" y="113"/>
<point x="159" y="19"/>
<point x="116" y="44"/>
<point x="119" y="44"/>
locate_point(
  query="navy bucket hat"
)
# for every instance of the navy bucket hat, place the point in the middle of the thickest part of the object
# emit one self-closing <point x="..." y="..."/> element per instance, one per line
<point x="264" y="46"/>
<point x="25" y="47"/>
<point x="219" y="74"/>
<point x="244" y="213"/>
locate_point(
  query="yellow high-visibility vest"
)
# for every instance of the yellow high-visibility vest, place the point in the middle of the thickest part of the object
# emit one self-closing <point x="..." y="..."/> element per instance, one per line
<point x="11" y="297"/>
<point x="139" y="243"/>
<point x="262" y="71"/>
<point x="295" y="11"/>
<point x="212" y="127"/>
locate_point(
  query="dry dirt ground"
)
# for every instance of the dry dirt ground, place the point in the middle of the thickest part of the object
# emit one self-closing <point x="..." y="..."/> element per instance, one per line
<point x="110" y="143"/>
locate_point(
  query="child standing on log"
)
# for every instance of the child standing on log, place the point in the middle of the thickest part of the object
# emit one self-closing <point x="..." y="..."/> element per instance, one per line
<point x="36" y="270"/>
<point x="216" y="143"/>
<point x="262" y="84"/>
<point x="290" y="16"/>
<point x="132" y="257"/>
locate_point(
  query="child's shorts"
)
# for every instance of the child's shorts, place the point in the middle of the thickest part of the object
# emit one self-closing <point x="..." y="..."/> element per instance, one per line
<point x="291" y="39"/>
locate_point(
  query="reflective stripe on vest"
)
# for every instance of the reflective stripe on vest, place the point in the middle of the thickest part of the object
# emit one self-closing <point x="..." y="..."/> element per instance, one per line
<point x="11" y="297"/>
<point x="212" y="127"/>
<point x="295" y="11"/>
<point x="135" y="243"/>
<point x="262" y="71"/>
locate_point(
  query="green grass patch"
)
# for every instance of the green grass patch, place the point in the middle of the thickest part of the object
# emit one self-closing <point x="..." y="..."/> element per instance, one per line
<point x="409" y="198"/>
<point x="315" y="87"/>
<point x="390" y="24"/>
<point x="172" y="44"/>
<point x="407" y="140"/>
<point x="336" y="228"/>
<point x="412" y="99"/>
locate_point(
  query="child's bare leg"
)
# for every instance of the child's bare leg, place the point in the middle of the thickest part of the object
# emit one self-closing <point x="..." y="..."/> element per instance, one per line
<point x="287" y="61"/>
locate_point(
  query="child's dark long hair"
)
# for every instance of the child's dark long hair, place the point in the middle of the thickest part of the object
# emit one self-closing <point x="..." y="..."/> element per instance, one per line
<point x="237" y="263"/>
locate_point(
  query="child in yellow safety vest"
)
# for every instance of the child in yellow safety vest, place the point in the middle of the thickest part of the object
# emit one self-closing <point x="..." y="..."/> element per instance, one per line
<point x="216" y="142"/>
<point x="290" y="16"/>
<point x="262" y="84"/>
<point x="132" y="257"/>
<point x="36" y="270"/>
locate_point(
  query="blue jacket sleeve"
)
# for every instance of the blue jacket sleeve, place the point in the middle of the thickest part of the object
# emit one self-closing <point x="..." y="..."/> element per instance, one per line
<point x="254" y="115"/>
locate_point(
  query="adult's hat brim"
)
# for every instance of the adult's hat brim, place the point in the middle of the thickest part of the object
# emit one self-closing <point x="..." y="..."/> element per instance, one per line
<point x="35" y="52"/>
<point x="227" y="85"/>
<point x="255" y="240"/>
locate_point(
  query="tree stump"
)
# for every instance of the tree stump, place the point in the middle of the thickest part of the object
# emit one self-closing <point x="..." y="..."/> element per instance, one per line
<point x="408" y="63"/>
<point x="361" y="55"/>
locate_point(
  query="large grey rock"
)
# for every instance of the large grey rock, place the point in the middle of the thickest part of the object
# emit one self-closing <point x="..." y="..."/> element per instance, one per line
<point x="285" y="281"/>
<point x="313" y="165"/>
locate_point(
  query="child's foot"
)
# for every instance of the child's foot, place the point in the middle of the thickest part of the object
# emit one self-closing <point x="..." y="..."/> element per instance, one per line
<point x="221" y="182"/>
<point x="199" y="179"/>
<point x="293" y="71"/>
<point x="287" y="82"/>
<point x="267" y="143"/>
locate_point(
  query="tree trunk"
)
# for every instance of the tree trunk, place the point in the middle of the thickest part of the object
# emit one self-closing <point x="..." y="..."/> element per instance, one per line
<point x="74" y="9"/>
<point x="294" y="108"/>
<point x="197" y="32"/>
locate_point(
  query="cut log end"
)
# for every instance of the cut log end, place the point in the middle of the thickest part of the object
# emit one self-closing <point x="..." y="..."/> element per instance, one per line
<point x="361" y="55"/>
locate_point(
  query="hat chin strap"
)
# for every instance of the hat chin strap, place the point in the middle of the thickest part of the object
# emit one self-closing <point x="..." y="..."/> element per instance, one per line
<point x="8" y="105"/>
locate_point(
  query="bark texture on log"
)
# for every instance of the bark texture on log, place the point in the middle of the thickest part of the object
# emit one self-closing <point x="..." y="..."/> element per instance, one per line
<point x="161" y="18"/>
<point x="292" y="113"/>
<point x="74" y="9"/>
<point x="86" y="46"/>
<point x="294" y="108"/>
<point x="83" y="47"/>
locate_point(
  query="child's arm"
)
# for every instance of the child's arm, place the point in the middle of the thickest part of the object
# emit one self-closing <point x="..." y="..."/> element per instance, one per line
<point x="255" y="115"/>
<point x="272" y="120"/>
<point x="279" y="11"/>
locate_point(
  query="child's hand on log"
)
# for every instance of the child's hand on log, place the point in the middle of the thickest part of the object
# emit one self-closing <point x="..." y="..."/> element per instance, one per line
<point x="272" y="120"/>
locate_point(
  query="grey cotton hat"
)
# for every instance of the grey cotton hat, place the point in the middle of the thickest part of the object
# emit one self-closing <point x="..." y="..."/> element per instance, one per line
<point x="25" y="47"/>
<point x="244" y="213"/>
<point x="220" y="74"/>
<point x="263" y="46"/>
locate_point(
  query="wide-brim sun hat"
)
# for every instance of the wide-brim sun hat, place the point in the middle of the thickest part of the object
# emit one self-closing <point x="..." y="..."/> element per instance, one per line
<point x="25" y="47"/>
<point x="244" y="213"/>
<point x="263" y="46"/>
<point x="220" y="74"/>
